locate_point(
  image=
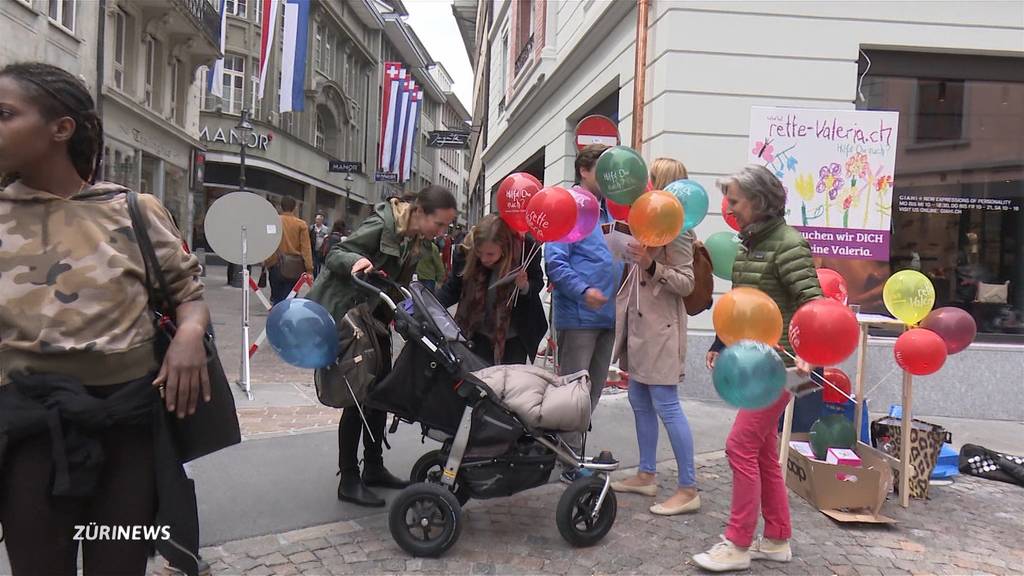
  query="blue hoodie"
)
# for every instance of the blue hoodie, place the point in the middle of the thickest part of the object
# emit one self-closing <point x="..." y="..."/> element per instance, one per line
<point x="575" y="267"/>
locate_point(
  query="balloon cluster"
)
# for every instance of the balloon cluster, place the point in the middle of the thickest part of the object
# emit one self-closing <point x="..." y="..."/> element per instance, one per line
<point x="555" y="214"/>
<point x="823" y="332"/>
<point x="933" y="334"/>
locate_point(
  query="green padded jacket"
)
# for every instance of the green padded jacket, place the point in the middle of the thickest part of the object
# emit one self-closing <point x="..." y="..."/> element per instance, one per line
<point x="776" y="259"/>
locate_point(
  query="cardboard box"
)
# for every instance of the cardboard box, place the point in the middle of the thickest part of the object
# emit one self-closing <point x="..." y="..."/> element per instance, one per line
<point x="843" y="457"/>
<point x="843" y="493"/>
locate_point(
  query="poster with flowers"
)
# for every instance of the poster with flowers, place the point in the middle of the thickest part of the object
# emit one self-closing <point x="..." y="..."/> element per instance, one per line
<point x="837" y="167"/>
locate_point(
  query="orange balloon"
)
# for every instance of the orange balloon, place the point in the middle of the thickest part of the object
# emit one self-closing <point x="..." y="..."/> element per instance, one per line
<point x="747" y="314"/>
<point x="656" y="218"/>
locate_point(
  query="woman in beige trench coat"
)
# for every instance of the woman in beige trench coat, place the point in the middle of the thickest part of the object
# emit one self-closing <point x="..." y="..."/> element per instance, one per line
<point x="650" y="344"/>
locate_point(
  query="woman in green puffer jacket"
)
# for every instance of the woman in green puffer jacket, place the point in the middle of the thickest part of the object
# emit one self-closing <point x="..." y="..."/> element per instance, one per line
<point x="776" y="259"/>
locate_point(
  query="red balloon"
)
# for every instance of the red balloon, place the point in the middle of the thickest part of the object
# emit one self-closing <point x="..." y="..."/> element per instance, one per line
<point x="920" y="352"/>
<point x="551" y="214"/>
<point x="729" y="218"/>
<point x="514" y="196"/>
<point x="650" y="186"/>
<point x="954" y="325"/>
<point x="842" y="381"/>
<point x="824" y="332"/>
<point x="833" y="285"/>
<point x="618" y="211"/>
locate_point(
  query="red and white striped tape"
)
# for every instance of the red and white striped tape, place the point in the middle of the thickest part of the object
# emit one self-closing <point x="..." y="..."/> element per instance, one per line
<point x="305" y="280"/>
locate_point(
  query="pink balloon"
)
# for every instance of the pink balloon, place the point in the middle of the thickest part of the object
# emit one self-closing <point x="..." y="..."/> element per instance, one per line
<point x="588" y="211"/>
<point x="956" y="327"/>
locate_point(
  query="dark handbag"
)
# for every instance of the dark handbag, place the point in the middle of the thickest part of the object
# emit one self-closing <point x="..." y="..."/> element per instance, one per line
<point x="215" y="423"/>
<point x="360" y="362"/>
<point x="291" y="266"/>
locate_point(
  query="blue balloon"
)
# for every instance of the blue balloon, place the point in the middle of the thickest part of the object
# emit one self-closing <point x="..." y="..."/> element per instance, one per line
<point x="749" y="375"/>
<point x="302" y="333"/>
<point x="694" y="199"/>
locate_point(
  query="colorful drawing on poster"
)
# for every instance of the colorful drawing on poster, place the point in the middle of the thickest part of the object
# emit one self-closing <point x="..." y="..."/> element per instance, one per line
<point x="840" y="164"/>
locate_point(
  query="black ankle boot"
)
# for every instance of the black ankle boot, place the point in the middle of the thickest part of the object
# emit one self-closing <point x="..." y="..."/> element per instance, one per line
<point x="378" y="476"/>
<point x="351" y="489"/>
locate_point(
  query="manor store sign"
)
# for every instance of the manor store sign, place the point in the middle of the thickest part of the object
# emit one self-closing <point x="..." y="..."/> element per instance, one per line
<point x="256" y="140"/>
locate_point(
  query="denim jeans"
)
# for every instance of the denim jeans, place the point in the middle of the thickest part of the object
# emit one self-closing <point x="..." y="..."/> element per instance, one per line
<point x="649" y="402"/>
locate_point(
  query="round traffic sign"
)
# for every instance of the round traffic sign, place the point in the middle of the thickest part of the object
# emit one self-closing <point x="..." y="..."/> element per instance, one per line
<point x="230" y="214"/>
<point x="596" y="129"/>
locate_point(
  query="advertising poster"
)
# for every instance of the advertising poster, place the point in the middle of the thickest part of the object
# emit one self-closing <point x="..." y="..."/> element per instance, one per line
<point x="837" y="167"/>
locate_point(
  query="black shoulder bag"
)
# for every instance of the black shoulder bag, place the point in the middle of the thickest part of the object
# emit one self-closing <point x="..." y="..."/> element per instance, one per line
<point x="215" y="423"/>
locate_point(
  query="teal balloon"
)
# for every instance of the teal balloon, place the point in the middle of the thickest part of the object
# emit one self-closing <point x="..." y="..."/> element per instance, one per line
<point x="694" y="199"/>
<point x="723" y="247"/>
<point x="621" y="175"/>
<point x="832" y="431"/>
<point x="749" y="375"/>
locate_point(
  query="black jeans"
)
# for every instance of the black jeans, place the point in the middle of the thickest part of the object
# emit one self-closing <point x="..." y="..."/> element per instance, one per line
<point x="280" y="287"/>
<point x="40" y="529"/>
<point x="351" y="428"/>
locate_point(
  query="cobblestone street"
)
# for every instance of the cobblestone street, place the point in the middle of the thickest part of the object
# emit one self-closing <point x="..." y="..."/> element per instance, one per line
<point x="974" y="526"/>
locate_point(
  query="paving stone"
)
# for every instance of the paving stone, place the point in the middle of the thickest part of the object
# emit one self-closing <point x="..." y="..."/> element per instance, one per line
<point x="301" y="557"/>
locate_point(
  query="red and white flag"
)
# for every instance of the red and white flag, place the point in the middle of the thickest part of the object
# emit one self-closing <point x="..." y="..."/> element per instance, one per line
<point x="267" y="39"/>
<point x="394" y="79"/>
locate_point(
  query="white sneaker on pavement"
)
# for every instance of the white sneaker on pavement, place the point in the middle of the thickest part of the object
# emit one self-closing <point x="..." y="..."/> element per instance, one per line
<point x="773" y="550"/>
<point x="724" y="557"/>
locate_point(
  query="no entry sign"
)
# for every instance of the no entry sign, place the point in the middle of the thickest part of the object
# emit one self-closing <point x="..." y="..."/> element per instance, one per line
<point x="596" y="130"/>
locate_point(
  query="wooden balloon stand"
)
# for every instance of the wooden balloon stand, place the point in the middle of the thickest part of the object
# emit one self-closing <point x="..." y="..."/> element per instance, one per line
<point x="902" y="464"/>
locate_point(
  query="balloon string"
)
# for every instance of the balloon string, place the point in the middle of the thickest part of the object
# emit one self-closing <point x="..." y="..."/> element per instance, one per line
<point x="526" y="261"/>
<point x="629" y="278"/>
<point x="822" y="378"/>
<point x="880" y="382"/>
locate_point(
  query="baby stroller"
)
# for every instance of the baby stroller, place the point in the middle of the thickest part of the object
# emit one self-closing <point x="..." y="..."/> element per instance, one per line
<point x="487" y="450"/>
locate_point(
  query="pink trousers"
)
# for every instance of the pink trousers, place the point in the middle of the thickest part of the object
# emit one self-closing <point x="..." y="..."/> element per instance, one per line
<point x="758" y="485"/>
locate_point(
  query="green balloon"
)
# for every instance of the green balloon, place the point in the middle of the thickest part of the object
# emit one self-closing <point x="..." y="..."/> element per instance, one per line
<point x="832" y="431"/>
<point x="723" y="247"/>
<point x="621" y="175"/>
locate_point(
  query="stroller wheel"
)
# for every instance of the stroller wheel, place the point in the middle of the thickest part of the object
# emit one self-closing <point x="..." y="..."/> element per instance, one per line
<point x="425" y="519"/>
<point x="429" y="468"/>
<point x="575" y="513"/>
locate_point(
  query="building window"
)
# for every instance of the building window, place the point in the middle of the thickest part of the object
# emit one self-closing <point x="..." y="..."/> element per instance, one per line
<point x="62" y="13"/>
<point x="207" y="100"/>
<point x="175" y="86"/>
<point x="234" y="83"/>
<point x="235" y="7"/>
<point x="318" y="133"/>
<point x="150" y="64"/>
<point x="257" y="9"/>
<point x="940" y="111"/>
<point x="329" y="45"/>
<point x="120" y="42"/>
<point x="957" y="209"/>
<point x="318" y="46"/>
<point x="503" y="77"/>
<point x="254" y="109"/>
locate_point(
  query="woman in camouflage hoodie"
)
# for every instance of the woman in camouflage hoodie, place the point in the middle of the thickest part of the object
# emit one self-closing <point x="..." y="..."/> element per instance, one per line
<point x="74" y="309"/>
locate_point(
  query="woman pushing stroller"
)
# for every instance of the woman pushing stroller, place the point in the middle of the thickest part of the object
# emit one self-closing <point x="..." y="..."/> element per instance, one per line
<point x="391" y="240"/>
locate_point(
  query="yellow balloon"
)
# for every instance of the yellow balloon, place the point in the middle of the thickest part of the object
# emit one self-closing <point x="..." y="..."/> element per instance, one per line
<point x="909" y="296"/>
<point x="747" y="314"/>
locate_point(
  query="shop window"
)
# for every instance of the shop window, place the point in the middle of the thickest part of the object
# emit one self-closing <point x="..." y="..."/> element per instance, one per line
<point x="957" y="210"/>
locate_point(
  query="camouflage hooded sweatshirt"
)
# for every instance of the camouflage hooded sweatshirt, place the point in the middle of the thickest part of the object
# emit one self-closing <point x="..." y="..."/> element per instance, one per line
<point x="73" y="295"/>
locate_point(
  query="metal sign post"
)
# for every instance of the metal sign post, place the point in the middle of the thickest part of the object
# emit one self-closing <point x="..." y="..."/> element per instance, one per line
<point x="243" y="372"/>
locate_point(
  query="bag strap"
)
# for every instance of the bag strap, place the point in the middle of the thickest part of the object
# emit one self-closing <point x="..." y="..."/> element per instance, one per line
<point x="152" y="263"/>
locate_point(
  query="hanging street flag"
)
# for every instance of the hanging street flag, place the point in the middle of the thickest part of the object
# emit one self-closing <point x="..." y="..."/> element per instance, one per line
<point x="394" y="77"/>
<point x="416" y="104"/>
<point x="293" y="62"/>
<point x="215" y="77"/>
<point x="267" y="39"/>
<point x="402" y="117"/>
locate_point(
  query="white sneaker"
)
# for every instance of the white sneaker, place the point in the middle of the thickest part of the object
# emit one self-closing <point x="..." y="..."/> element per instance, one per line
<point x="773" y="550"/>
<point x="724" y="557"/>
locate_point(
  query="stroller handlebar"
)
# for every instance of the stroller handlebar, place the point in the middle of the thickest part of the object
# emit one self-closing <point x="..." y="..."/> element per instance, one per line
<point x="362" y="280"/>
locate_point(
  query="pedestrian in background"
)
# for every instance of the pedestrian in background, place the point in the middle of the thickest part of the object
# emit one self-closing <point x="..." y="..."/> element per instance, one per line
<point x="500" y="332"/>
<point x="586" y="278"/>
<point x="77" y="342"/>
<point x="391" y="239"/>
<point x="318" y="233"/>
<point x="430" y="271"/>
<point x="651" y="346"/>
<point x="776" y="259"/>
<point x="293" y="257"/>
